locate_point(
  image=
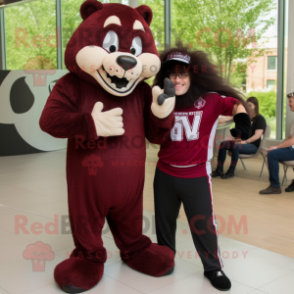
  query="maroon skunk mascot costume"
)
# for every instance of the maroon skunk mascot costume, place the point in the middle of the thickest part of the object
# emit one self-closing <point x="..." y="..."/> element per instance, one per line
<point x="105" y="109"/>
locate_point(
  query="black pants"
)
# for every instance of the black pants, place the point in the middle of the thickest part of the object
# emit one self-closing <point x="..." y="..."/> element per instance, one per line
<point x="195" y="193"/>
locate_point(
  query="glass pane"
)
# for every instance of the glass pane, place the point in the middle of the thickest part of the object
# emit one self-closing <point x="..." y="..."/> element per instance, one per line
<point x="30" y="30"/>
<point x="272" y="62"/>
<point x="285" y="69"/>
<point x="157" y="25"/>
<point x="238" y="36"/>
<point x="71" y="18"/>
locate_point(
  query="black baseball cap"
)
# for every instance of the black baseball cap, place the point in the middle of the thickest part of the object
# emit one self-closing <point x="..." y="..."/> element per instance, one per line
<point x="176" y="56"/>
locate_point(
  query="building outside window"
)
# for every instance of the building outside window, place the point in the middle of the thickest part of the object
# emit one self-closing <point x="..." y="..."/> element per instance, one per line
<point x="272" y="62"/>
<point x="270" y="84"/>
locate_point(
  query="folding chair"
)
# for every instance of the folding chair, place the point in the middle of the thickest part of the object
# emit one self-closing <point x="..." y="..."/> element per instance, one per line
<point x="262" y="147"/>
<point x="286" y="164"/>
<point x="261" y="150"/>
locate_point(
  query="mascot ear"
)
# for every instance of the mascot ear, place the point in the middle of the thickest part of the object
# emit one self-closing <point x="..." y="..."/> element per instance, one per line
<point x="89" y="7"/>
<point x="146" y="12"/>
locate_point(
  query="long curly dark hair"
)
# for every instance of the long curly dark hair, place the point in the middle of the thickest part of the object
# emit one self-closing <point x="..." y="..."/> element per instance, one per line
<point x="203" y="77"/>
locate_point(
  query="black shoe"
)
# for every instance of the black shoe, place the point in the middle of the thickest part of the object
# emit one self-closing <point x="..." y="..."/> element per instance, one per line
<point x="271" y="190"/>
<point x="218" y="280"/>
<point x="227" y="175"/>
<point x="216" y="173"/>
<point x="290" y="188"/>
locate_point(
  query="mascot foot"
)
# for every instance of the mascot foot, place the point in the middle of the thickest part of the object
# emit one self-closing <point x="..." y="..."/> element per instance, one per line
<point x="155" y="260"/>
<point x="76" y="275"/>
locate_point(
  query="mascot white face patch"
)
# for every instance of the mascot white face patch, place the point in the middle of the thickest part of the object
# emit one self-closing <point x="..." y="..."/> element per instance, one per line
<point x="118" y="72"/>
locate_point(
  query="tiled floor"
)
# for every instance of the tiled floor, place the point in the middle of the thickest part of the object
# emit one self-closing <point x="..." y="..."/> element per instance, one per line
<point x="33" y="191"/>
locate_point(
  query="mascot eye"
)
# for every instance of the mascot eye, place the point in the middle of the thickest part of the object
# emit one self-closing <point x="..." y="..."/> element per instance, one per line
<point x="112" y="48"/>
<point x="110" y="42"/>
<point x="136" y="48"/>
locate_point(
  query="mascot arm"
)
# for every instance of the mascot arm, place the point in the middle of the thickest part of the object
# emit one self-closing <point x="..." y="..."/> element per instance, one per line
<point x="157" y="130"/>
<point x="163" y="100"/>
<point x="61" y="117"/>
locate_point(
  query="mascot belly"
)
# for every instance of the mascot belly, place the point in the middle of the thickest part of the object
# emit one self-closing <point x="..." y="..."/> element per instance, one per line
<point x="105" y="109"/>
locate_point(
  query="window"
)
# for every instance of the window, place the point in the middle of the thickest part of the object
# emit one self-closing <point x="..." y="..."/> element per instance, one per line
<point x="272" y="62"/>
<point x="157" y="25"/>
<point x="30" y="30"/>
<point x="270" y="84"/>
<point x="238" y="46"/>
<point x="71" y="19"/>
<point x="286" y="20"/>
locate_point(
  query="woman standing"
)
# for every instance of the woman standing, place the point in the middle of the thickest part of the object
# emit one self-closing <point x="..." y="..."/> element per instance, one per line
<point x="249" y="146"/>
<point x="183" y="170"/>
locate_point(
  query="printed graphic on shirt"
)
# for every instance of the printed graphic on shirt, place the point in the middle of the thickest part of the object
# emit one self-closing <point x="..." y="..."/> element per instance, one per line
<point x="199" y="103"/>
<point x="183" y="125"/>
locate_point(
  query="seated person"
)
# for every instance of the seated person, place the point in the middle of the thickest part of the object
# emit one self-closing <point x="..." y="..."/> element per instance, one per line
<point x="290" y="188"/>
<point x="283" y="152"/>
<point x="249" y="146"/>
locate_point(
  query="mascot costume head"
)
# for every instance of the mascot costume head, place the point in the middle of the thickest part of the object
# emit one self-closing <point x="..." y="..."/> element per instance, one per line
<point x="113" y="47"/>
<point x="106" y="110"/>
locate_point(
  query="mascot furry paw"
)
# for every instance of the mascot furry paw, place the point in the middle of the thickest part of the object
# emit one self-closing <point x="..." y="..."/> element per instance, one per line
<point x="105" y="109"/>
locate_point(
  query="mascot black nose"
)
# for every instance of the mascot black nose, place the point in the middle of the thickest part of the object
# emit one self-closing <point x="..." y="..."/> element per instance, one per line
<point x="126" y="62"/>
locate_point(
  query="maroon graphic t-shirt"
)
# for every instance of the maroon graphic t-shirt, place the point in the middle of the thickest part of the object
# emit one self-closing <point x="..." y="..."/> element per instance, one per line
<point x="188" y="151"/>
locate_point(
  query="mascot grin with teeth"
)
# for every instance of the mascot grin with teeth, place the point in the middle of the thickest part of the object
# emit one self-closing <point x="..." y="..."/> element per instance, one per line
<point x="105" y="109"/>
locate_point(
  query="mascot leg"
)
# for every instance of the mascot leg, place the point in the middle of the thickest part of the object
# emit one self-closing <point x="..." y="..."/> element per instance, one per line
<point x="137" y="250"/>
<point x="78" y="274"/>
<point x="85" y="267"/>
